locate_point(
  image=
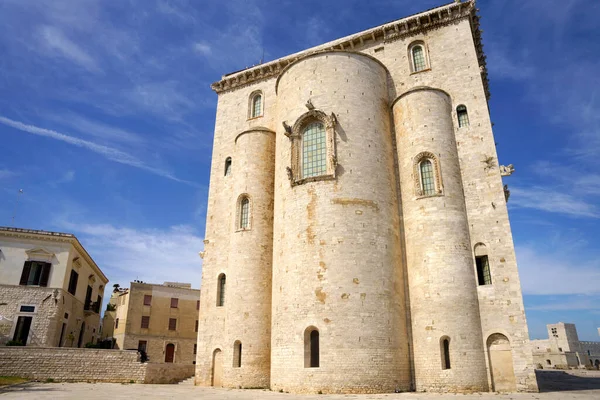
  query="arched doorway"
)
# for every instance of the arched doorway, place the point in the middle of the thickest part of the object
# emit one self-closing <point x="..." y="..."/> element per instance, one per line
<point x="501" y="363"/>
<point x="217" y="368"/>
<point x="170" y="353"/>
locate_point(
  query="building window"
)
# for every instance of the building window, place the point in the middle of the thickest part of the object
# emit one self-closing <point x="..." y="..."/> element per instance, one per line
<point x="463" y="117"/>
<point x="311" y="347"/>
<point x="195" y="348"/>
<point x="548" y="362"/>
<point x="172" y="324"/>
<point x="35" y="273"/>
<point x="243" y="214"/>
<point x="145" y="322"/>
<point x="27" y="309"/>
<point x="417" y="54"/>
<point x="147" y="299"/>
<point x="142" y="345"/>
<point x="117" y="323"/>
<point x="256" y="104"/>
<point x="560" y="349"/>
<point x="228" y="166"/>
<point x="427" y="179"/>
<point x="483" y="270"/>
<point x="445" y="349"/>
<point x="87" y="305"/>
<point x="313" y="147"/>
<point x="174" y="302"/>
<point x="427" y="175"/>
<point x="221" y="291"/>
<point x="73" y="282"/>
<point x="197" y="304"/>
<point x="196" y="328"/>
<point x="237" y="354"/>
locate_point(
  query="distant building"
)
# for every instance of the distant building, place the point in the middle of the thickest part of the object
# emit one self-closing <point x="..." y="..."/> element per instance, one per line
<point x="563" y="349"/>
<point x="161" y="320"/>
<point x="51" y="290"/>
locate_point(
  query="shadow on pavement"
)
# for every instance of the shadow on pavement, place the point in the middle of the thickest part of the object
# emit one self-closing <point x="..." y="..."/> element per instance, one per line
<point x="560" y="381"/>
<point x="29" y="387"/>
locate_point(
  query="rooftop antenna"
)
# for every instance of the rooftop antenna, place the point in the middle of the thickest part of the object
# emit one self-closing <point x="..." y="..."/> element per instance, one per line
<point x="16" y="205"/>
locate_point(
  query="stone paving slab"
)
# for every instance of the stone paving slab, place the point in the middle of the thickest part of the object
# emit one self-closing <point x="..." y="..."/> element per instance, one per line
<point x="555" y="385"/>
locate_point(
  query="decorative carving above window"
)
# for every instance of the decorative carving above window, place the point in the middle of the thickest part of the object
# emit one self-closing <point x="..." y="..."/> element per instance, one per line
<point x="427" y="175"/>
<point x="313" y="147"/>
<point x="39" y="254"/>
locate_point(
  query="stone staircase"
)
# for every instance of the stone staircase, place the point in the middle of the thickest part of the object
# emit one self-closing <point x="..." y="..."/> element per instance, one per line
<point x="189" y="381"/>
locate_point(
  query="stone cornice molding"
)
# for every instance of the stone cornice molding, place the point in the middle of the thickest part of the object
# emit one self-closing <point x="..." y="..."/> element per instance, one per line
<point x="254" y="129"/>
<point x="57" y="237"/>
<point x="408" y="26"/>
<point x="39" y="253"/>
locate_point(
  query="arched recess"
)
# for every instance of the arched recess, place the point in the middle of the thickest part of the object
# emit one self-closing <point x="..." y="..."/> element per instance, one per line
<point x="501" y="363"/>
<point x="237" y="354"/>
<point x="217" y="368"/>
<point x="445" y="352"/>
<point x="311" y="348"/>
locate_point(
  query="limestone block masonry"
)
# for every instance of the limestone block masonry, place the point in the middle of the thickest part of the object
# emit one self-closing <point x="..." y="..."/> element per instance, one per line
<point x="357" y="236"/>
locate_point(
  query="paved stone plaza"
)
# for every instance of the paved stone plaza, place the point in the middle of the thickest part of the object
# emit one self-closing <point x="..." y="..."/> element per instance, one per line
<point x="555" y="385"/>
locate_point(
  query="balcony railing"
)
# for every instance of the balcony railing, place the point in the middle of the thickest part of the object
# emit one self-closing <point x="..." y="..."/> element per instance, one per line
<point x="92" y="307"/>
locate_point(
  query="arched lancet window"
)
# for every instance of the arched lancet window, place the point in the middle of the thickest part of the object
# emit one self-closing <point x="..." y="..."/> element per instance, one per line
<point x="418" y="57"/>
<point x="237" y="354"/>
<point x="228" y="166"/>
<point x="256" y="105"/>
<point x="463" y="116"/>
<point x="311" y="347"/>
<point x="427" y="177"/>
<point x="221" y="290"/>
<point x="445" y="350"/>
<point x="244" y="221"/>
<point x="314" y="150"/>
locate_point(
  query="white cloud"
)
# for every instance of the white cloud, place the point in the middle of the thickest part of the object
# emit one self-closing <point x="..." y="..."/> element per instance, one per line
<point x="97" y="129"/>
<point x="150" y="255"/>
<point x="108" y="152"/>
<point x="204" y="48"/>
<point x="553" y="201"/>
<point x="55" y="40"/>
<point x="547" y="272"/>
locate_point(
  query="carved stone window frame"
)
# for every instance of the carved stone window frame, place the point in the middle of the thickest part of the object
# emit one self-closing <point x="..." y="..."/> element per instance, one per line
<point x="238" y="213"/>
<point x="251" y="98"/>
<point x="439" y="188"/>
<point x="423" y="45"/>
<point x="296" y="135"/>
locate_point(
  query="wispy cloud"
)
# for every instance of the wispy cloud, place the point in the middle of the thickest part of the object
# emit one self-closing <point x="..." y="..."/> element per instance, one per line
<point x="97" y="129"/>
<point x="549" y="200"/>
<point x="6" y="173"/>
<point x="56" y="41"/>
<point x="203" y="48"/>
<point x="547" y="272"/>
<point x="151" y="255"/>
<point x="108" y="152"/>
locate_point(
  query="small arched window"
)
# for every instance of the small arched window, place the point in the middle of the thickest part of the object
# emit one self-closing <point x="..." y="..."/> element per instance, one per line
<point x="221" y="290"/>
<point x="228" y="166"/>
<point x="427" y="178"/>
<point x="484" y="276"/>
<point x="311" y="347"/>
<point x="314" y="150"/>
<point x="244" y="222"/>
<point x="445" y="350"/>
<point x="418" y="57"/>
<point x="256" y="105"/>
<point x="237" y="354"/>
<point x="463" y="116"/>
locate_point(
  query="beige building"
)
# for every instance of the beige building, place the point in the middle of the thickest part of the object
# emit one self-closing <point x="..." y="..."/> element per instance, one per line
<point x="563" y="349"/>
<point x="161" y="320"/>
<point x="357" y="236"/>
<point x="51" y="290"/>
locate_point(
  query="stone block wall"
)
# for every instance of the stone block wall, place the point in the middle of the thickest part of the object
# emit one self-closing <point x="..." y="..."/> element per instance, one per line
<point x="168" y="373"/>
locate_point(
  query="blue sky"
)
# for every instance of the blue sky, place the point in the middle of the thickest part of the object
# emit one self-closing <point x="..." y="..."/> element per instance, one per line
<point x="106" y="122"/>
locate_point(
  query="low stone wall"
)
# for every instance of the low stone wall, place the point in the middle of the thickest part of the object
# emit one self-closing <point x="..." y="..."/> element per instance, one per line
<point x="168" y="373"/>
<point x="64" y="364"/>
<point x="72" y="364"/>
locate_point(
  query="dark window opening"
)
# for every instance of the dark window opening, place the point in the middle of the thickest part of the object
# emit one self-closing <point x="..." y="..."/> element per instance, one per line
<point x="311" y="348"/>
<point x="174" y="302"/>
<point x="147" y="299"/>
<point x="463" y="117"/>
<point x="22" y="329"/>
<point x="446" y="353"/>
<point x="35" y="273"/>
<point x="221" y="291"/>
<point x="484" y="277"/>
<point x="196" y="329"/>
<point x="145" y="322"/>
<point x="237" y="354"/>
<point x="228" y="166"/>
<point x="73" y="282"/>
<point x="116" y="323"/>
<point x="142" y="345"/>
<point x="172" y="324"/>
<point x="27" y="309"/>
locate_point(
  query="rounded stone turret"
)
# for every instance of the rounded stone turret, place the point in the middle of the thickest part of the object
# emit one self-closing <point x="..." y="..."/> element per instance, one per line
<point x="338" y="315"/>
<point x="446" y="326"/>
